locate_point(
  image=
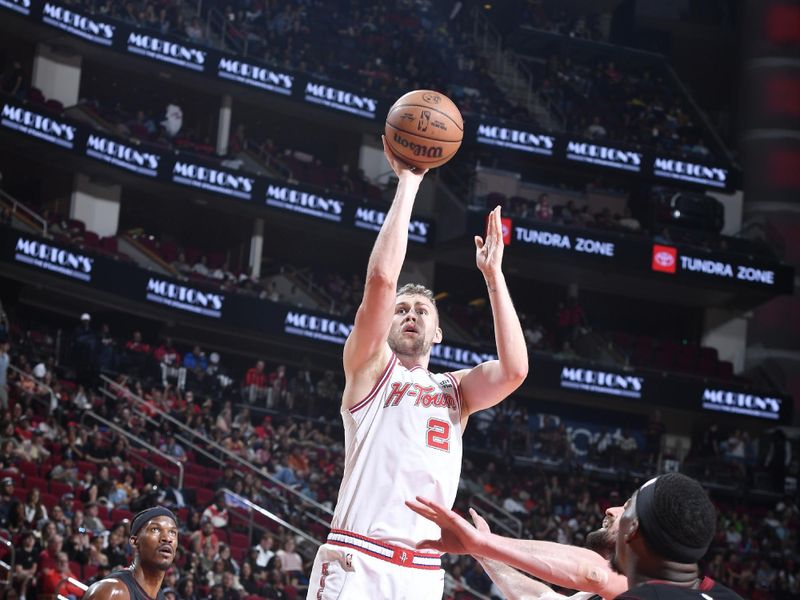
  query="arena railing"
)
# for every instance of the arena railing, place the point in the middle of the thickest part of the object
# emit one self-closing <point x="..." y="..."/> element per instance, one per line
<point x="139" y="441"/>
<point x="8" y="566"/>
<point x="240" y="502"/>
<point x="495" y="513"/>
<point x="302" y="499"/>
<point x="47" y="388"/>
<point x="215" y="459"/>
<point x="19" y="207"/>
<point x="72" y="581"/>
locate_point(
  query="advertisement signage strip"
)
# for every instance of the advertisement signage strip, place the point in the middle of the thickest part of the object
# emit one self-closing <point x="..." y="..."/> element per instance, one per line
<point x="179" y="52"/>
<point x="151" y="162"/>
<point x="640" y="254"/>
<point x="131" y="283"/>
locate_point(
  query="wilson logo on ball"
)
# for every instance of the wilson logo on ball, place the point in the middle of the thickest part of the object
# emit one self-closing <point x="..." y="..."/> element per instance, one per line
<point x="665" y="258"/>
<point x="419" y="149"/>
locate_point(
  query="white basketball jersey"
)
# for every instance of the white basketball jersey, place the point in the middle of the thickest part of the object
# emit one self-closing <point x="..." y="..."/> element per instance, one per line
<point x="403" y="440"/>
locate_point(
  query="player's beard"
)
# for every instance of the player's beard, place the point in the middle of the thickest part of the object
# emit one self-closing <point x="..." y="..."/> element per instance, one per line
<point x="412" y="347"/>
<point x="601" y="541"/>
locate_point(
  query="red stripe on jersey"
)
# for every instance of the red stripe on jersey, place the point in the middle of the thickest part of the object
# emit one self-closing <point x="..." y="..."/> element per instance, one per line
<point x="378" y="385"/>
<point x="456" y="390"/>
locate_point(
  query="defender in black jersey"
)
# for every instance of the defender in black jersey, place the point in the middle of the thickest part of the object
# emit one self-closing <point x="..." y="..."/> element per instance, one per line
<point x="154" y="537"/>
<point x="666" y="527"/>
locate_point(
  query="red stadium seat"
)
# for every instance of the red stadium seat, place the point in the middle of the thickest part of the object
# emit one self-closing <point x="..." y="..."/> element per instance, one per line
<point x="204" y="497"/>
<point x="49" y="500"/>
<point x="118" y="514"/>
<point x="58" y="489"/>
<point x="85" y="465"/>
<point x="238" y="540"/>
<point x="30" y="469"/>
<point x="88" y="572"/>
<point x="36" y="482"/>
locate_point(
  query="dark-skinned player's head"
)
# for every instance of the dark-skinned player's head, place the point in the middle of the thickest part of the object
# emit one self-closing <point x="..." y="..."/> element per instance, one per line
<point x="670" y="519"/>
<point x="154" y="537"/>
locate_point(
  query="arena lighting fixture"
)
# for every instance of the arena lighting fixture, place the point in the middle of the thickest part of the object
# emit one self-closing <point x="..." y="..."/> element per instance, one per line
<point x="676" y="214"/>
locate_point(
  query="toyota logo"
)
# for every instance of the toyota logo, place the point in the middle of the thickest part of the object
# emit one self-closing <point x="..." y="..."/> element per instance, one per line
<point x="664" y="259"/>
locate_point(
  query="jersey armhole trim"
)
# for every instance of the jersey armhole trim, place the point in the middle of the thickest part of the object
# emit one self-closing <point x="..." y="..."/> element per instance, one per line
<point x="456" y="391"/>
<point x="387" y="370"/>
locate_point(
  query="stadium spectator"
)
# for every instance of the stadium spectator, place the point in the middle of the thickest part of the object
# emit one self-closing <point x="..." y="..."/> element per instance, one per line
<point x="35" y="510"/>
<point x="5" y="359"/>
<point x="264" y="550"/>
<point x="255" y="383"/>
<point x="54" y="579"/>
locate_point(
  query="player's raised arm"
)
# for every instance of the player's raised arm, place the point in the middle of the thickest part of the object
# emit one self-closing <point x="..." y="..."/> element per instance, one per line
<point x="490" y="382"/>
<point x="567" y="566"/>
<point x="512" y="583"/>
<point x="367" y="342"/>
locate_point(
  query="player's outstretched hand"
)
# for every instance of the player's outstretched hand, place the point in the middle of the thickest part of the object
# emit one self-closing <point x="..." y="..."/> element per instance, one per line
<point x="489" y="252"/>
<point x="458" y="536"/>
<point x="480" y="523"/>
<point x="399" y="167"/>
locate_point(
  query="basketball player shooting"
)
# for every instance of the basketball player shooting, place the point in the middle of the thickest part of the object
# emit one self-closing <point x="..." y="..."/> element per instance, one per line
<point x="403" y="424"/>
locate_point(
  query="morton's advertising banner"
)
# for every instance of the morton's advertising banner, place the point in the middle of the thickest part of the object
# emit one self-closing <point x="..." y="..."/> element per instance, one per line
<point x="63" y="262"/>
<point x="188" y="171"/>
<point x="523" y="139"/>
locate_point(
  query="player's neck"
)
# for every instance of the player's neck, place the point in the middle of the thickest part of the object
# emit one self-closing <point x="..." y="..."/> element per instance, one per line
<point x="409" y="362"/>
<point x="150" y="580"/>
<point x="674" y="573"/>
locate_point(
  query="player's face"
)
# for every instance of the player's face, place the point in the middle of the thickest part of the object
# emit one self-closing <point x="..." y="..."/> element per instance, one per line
<point x="157" y="542"/>
<point x="604" y="540"/>
<point x="415" y="326"/>
<point x="627" y="522"/>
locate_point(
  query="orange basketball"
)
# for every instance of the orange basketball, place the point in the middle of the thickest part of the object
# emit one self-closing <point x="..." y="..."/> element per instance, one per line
<point x="424" y="128"/>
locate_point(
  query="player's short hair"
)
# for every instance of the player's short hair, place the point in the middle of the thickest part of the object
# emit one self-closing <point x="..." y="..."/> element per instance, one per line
<point x="677" y="517"/>
<point x="416" y="289"/>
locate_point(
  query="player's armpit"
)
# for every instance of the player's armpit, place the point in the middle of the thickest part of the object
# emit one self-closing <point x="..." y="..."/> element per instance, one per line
<point x="367" y="341"/>
<point x="487" y="384"/>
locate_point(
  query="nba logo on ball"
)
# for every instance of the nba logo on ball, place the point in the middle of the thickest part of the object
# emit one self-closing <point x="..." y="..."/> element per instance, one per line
<point x="665" y="258"/>
<point x="424" y="129"/>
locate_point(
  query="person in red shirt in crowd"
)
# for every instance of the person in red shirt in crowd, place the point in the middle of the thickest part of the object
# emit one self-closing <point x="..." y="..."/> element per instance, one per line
<point x="47" y="557"/>
<point x="135" y="344"/>
<point x="255" y="382"/>
<point x="137" y="353"/>
<point x="205" y="537"/>
<point x="169" y="360"/>
<point x="54" y="579"/>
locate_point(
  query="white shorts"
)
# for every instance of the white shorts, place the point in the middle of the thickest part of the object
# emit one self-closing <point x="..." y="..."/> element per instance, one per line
<point x="347" y="573"/>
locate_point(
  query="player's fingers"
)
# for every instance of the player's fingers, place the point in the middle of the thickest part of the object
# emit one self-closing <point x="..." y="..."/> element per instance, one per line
<point x="434" y="506"/>
<point x="421" y="510"/>
<point x="478" y="242"/>
<point x="430" y="545"/>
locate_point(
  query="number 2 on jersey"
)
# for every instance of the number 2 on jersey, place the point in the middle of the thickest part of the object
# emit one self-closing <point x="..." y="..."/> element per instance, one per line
<point x="439" y="434"/>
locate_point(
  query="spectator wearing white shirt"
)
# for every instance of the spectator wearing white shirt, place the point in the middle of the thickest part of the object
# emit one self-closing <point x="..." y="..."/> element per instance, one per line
<point x="217" y="512"/>
<point x="264" y="550"/>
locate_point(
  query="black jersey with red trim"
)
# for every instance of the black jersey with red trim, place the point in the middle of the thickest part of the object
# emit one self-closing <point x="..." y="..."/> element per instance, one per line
<point x="663" y="590"/>
<point x="135" y="590"/>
